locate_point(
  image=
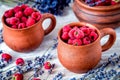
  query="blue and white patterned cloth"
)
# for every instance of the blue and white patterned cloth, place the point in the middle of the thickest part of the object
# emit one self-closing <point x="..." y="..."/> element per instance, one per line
<point x="48" y="42"/>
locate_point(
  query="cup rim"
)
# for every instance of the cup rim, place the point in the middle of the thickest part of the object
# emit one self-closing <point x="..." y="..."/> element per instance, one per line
<point x="99" y="8"/>
<point x="80" y="23"/>
<point x="3" y="22"/>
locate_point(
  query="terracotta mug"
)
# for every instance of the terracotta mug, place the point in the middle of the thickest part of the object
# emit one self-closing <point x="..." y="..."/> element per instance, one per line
<point x="80" y="59"/>
<point x="27" y="39"/>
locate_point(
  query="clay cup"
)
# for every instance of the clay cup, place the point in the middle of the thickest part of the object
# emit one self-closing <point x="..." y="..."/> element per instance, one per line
<point x="27" y="39"/>
<point x="80" y="59"/>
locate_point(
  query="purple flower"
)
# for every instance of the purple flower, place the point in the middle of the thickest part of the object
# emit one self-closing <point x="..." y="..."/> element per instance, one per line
<point x="59" y="76"/>
<point x="73" y="78"/>
<point x="106" y="71"/>
<point x="1" y="51"/>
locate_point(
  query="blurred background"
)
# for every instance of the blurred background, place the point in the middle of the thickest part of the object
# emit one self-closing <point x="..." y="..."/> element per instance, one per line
<point x="55" y="7"/>
<point x="14" y="2"/>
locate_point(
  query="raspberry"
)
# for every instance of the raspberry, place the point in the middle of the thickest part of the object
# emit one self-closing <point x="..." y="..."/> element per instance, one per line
<point x="91" y="29"/>
<point x="75" y="28"/>
<point x="71" y="34"/>
<point x="14" y="21"/>
<point x="17" y="76"/>
<point x="70" y="41"/>
<point x="36" y="16"/>
<point x="21" y="25"/>
<point x="20" y="61"/>
<point x="9" y="13"/>
<point x="86" y="31"/>
<point x="108" y="2"/>
<point x="8" y="20"/>
<point x="28" y="11"/>
<point x="47" y="65"/>
<point x="66" y="28"/>
<point x="78" y="34"/>
<point x="36" y="79"/>
<point x="19" y="14"/>
<point x="113" y="2"/>
<point x="6" y="57"/>
<point x="24" y="6"/>
<point x="14" y="26"/>
<point x="93" y="36"/>
<point x="86" y="40"/>
<point x="77" y="42"/>
<point x="65" y="36"/>
<point x="30" y="22"/>
<point x="23" y="19"/>
<point x="17" y="9"/>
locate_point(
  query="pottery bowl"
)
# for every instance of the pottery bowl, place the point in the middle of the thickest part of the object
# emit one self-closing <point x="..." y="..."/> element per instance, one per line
<point x="100" y="16"/>
<point x="80" y="59"/>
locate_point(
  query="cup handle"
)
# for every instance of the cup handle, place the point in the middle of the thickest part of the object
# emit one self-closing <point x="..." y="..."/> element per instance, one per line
<point x="111" y="40"/>
<point x="52" y="23"/>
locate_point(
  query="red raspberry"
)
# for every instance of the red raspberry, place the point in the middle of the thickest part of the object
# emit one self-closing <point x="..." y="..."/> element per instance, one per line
<point x="77" y="42"/>
<point x="65" y="36"/>
<point x="14" y="26"/>
<point x="47" y="65"/>
<point x="75" y="28"/>
<point x="36" y="15"/>
<point x="20" y="62"/>
<point x="19" y="14"/>
<point x="93" y="36"/>
<point x="113" y="2"/>
<point x="9" y="13"/>
<point x="71" y="34"/>
<point x="17" y="76"/>
<point x="86" y="31"/>
<point x="66" y="28"/>
<point x="21" y="25"/>
<point x="36" y="79"/>
<point x="6" y="57"/>
<point x="28" y="11"/>
<point x="91" y="29"/>
<point x="14" y="21"/>
<point x="7" y="20"/>
<point x="23" y="19"/>
<point x="30" y="22"/>
<point x="24" y="6"/>
<point x="86" y="40"/>
<point x="108" y="2"/>
<point x="70" y="41"/>
<point x="78" y="34"/>
<point x="17" y="9"/>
